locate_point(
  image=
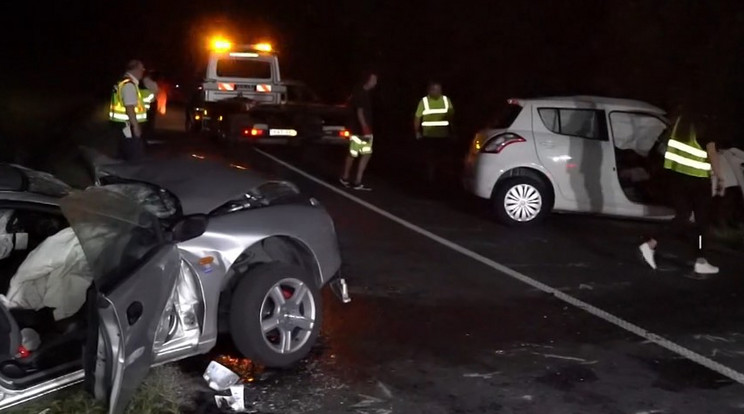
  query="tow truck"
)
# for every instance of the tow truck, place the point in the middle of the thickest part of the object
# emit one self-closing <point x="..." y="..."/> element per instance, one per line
<point x="244" y="99"/>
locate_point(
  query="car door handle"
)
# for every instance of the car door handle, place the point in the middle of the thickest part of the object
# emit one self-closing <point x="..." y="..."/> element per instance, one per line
<point x="134" y="312"/>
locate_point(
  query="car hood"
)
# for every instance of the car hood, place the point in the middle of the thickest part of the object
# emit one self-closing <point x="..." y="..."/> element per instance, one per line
<point x="201" y="185"/>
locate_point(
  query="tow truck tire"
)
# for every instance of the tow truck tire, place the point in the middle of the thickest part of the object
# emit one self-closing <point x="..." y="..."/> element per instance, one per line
<point x="521" y="201"/>
<point x="255" y="309"/>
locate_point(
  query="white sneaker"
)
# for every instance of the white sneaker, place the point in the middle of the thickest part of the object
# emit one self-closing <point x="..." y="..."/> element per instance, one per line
<point x="647" y="253"/>
<point x="702" y="267"/>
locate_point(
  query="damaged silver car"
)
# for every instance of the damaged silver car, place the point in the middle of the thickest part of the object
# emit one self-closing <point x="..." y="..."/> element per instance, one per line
<point x="177" y="251"/>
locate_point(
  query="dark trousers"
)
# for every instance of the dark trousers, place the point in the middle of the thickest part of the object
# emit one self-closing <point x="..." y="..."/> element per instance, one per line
<point x="689" y="195"/>
<point x="437" y="154"/>
<point x="131" y="149"/>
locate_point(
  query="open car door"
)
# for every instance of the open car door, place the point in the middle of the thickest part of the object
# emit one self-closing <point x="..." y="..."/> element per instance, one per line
<point x="134" y="273"/>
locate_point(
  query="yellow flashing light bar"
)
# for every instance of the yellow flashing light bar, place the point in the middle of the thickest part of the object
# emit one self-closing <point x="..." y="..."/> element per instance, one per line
<point x="220" y="44"/>
<point x="263" y="47"/>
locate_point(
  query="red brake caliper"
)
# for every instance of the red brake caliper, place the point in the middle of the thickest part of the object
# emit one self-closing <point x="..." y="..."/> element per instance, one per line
<point x="287" y="294"/>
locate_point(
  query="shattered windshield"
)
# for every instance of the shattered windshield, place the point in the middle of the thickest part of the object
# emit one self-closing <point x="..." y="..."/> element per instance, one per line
<point x="114" y="231"/>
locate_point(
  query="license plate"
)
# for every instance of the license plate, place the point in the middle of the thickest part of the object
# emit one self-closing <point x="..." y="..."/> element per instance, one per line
<point x="240" y="87"/>
<point x="282" y="132"/>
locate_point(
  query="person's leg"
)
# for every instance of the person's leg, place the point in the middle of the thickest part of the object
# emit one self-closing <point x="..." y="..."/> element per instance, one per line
<point x="363" y="161"/>
<point x="702" y="207"/>
<point x="349" y="162"/>
<point x="682" y="205"/>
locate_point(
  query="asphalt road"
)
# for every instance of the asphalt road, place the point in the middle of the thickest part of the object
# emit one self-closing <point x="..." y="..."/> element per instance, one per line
<point x="433" y="330"/>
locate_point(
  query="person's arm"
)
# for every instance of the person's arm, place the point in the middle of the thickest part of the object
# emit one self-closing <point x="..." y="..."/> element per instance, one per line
<point x="715" y="162"/>
<point x="366" y="130"/>
<point x="130" y="100"/>
<point x="417" y="119"/>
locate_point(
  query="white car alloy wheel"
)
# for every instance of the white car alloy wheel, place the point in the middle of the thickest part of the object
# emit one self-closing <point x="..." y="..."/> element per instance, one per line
<point x="523" y="202"/>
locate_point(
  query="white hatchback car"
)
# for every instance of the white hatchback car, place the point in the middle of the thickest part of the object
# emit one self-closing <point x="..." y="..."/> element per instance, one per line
<point x="582" y="154"/>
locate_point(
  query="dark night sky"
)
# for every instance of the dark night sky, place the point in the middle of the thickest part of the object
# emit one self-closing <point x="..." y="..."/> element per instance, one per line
<point x="484" y="51"/>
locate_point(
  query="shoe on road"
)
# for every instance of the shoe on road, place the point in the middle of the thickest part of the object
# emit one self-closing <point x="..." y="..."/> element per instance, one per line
<point x="361" y="187"/>
<point x="702" y="267"/>
<point x="647" y="253"/>
<point x="344" y="183"/>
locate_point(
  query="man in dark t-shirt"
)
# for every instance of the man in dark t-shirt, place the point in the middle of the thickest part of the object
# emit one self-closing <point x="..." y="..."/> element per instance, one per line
<point x="360" y="142"/>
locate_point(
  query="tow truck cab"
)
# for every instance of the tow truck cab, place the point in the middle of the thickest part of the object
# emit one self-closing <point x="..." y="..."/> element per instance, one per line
<point x="249" y="71"/>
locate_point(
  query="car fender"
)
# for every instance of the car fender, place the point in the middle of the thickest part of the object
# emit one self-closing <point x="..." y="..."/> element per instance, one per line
<point x="231" y="235"/>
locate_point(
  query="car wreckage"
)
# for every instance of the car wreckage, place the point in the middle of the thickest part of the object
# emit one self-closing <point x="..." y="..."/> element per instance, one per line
<point x="149" y="266"/>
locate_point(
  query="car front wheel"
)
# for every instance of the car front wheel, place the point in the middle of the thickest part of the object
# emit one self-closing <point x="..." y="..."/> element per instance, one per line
<point x="521" y="201"/>
<point x="275" y="314"/>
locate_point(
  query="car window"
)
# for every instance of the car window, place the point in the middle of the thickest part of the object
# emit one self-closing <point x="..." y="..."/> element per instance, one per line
<point x="115" y="232"/>
<point x="583" y="123"/>
<point x="636" y="131"/>
<point x="244" y="68"/>
<point x="505" y="116"/>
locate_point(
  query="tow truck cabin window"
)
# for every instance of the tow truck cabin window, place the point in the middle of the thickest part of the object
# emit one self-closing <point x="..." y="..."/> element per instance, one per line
<point x="243" y="68"/>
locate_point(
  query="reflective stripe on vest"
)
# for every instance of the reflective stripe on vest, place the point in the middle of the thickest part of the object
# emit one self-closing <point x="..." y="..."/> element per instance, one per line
<point x="429" y="111"/>
<point x="686" y="157"/>
<point x="434" y="123"/>
<point x="117" y="110"/>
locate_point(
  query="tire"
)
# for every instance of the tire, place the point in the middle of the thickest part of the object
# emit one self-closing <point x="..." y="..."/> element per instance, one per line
<point x="534" y="196"/>
<point x="254" y="303"/>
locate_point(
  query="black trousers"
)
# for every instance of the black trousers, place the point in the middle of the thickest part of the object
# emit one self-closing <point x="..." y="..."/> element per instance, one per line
<point x="131" y="149"/>
<point x="689" y="195"/>
<point x="437" y="156"/>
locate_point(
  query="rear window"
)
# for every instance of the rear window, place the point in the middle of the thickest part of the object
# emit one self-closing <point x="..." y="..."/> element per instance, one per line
<point x="505" y="116"/>
<point x="243" y="68"/>
<point x="583" y="123"/>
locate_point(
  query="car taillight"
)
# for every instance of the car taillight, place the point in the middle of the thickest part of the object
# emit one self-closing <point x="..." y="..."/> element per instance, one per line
<point x="496" y="144"/>
<point x="344" y="133"/>
<point x="253" y="132"/>
<point x="225" y="86"/>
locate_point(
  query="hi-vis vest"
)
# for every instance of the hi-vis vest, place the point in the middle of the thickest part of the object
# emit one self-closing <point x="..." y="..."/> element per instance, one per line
<point x="685" y="156"/>
<point x="435" y="116"/>
<point x="117" y="111"/>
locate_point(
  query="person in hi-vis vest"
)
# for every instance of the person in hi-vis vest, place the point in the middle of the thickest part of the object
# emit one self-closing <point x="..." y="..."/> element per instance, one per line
<point x="433" y="128"/>
<point x="128" y="108"/>
<point x="690" y="159"/>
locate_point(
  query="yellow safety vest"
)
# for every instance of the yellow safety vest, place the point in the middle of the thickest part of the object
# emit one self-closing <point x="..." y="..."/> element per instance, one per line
<point x="435" y="116"/>
<point x="117" y="111"/>
<point x="685" y="156"/>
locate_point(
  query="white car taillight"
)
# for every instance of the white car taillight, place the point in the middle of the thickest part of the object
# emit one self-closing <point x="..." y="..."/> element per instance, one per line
<point x="497" y="143"/>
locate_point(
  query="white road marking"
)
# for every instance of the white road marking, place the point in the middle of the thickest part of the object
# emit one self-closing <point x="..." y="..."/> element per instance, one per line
<point x="487" y="375"/>
<point x="591" y="309"/>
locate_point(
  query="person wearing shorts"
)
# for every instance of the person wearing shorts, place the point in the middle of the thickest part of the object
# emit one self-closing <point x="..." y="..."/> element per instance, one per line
<point x="360" y="142"/>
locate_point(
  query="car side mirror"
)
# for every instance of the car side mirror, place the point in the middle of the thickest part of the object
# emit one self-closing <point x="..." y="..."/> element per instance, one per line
<point x="190" y="227"/>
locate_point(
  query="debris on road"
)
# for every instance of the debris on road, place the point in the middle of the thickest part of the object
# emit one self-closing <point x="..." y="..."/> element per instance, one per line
<point x="219" y="377"/>
<point x="487" y="375"/>
<point x="235" y="402"/>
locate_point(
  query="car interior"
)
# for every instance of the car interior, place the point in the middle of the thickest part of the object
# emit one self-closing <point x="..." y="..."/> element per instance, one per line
<point x="639" y="139"/>
<point x="60" y="349"/>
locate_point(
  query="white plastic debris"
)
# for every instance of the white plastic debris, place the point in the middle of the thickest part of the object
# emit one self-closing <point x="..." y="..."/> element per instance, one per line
<point x="234" y="402"/>
<point x="219" y="377"/>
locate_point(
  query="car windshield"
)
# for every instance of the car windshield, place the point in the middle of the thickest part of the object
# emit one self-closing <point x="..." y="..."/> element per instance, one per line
<point x="116" y="233"/>
<point x="47" y="184"/>
<point x="17" y="178"/>
<point x="243" y="68"/>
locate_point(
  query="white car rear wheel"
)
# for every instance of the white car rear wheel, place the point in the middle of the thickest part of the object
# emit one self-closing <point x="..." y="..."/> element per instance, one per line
<point x="521" y="201"/>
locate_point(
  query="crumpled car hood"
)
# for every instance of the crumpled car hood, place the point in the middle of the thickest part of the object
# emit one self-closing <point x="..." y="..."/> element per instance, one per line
<point x="201" y="185"/>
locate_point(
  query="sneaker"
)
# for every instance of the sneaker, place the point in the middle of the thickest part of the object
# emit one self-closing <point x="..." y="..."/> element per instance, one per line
<point x="702" y="267"/>
<point x="647" y="253"/>
<point x="361" y="187"/>
<point x="344" y="183"/>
